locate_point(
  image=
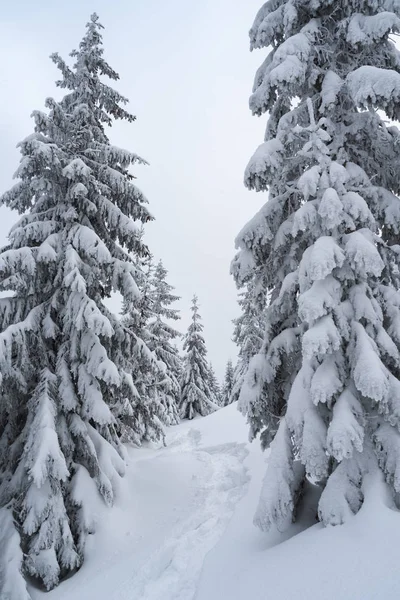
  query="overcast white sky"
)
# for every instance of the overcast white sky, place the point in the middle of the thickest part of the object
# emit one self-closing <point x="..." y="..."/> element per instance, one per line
<point x="186" y="68"/>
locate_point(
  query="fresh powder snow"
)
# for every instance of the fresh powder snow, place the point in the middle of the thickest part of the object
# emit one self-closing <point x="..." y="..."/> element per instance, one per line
<point x="181" y="529"/>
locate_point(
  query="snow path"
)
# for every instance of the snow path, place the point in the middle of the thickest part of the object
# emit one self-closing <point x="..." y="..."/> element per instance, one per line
<point x="174" y="570"/>
<point x="172" y="508"/>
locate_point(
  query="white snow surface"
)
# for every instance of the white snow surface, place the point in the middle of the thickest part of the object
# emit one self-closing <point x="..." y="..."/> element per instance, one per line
<point x="181" y="529"/>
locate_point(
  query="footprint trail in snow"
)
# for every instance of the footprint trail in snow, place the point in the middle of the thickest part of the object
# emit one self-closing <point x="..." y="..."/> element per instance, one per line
<point x="172" y="508"/>
<point x="175" y="569"/>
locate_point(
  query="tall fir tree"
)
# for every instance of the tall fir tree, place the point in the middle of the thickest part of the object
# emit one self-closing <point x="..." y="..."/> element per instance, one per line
<point x="214" y="385"/>
<point x="147" y="419"/>
<point x="162" y="335"/>
<point x="248" y="334"/>
<point x="325" y="386"/>
<point x="227" y="388"/>
<point x="66" y="361"/>
<point x="196" y="395"/>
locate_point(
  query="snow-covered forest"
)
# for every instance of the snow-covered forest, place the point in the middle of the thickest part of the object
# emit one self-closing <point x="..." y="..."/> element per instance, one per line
<point x="165" y="433"/>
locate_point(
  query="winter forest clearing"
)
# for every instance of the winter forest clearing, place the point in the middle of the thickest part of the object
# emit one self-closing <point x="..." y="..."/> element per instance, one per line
<point x="131" y="467"/>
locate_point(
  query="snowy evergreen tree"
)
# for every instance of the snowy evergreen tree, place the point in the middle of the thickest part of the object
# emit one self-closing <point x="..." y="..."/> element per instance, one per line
<point x="196" y="395"/>
<point x="214" y="385"/>
<point x="66" y="361"/>
<point x="248" y="335"/>
<point x="161" y="341"/>
<point x="325" y="384"/>
<point x="145" y="422"/>
<point x="228" y="384"/>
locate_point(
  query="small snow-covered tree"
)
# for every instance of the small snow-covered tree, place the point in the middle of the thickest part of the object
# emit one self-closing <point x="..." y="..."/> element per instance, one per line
<point x="196" y="395"/>
<point x="161" y="336"/>
<point x="248" y="335"/>
<point x="214" y="385"/>
<point x="325" y="385"/>
<point x="227" y="388"/>
<point x="66" y="361"/>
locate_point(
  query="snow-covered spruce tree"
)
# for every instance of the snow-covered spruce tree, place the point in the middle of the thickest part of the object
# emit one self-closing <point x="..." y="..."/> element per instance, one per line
<point x="248" y="334"/>
<point x="214" y="385"/>
<point x="196" y="395"/>
<point x="65" y="361"/>
<point x="227" y="387"/>
<point x="161" y="341"/>
<point x="325" y="384"/>
<point x="145" y="422"/>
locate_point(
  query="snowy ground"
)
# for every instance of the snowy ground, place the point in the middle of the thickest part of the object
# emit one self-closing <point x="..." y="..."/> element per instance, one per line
<point x="182" y="529"/>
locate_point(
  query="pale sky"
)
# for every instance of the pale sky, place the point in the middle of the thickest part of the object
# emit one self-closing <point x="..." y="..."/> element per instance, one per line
<point x="187" y="70"/>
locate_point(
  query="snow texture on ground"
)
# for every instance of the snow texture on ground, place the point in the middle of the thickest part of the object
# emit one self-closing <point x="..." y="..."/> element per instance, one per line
<point x="182" y="529"/>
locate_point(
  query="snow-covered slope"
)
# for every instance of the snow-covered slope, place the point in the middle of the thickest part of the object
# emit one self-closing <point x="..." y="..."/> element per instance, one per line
<point x="182" y="529"/>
